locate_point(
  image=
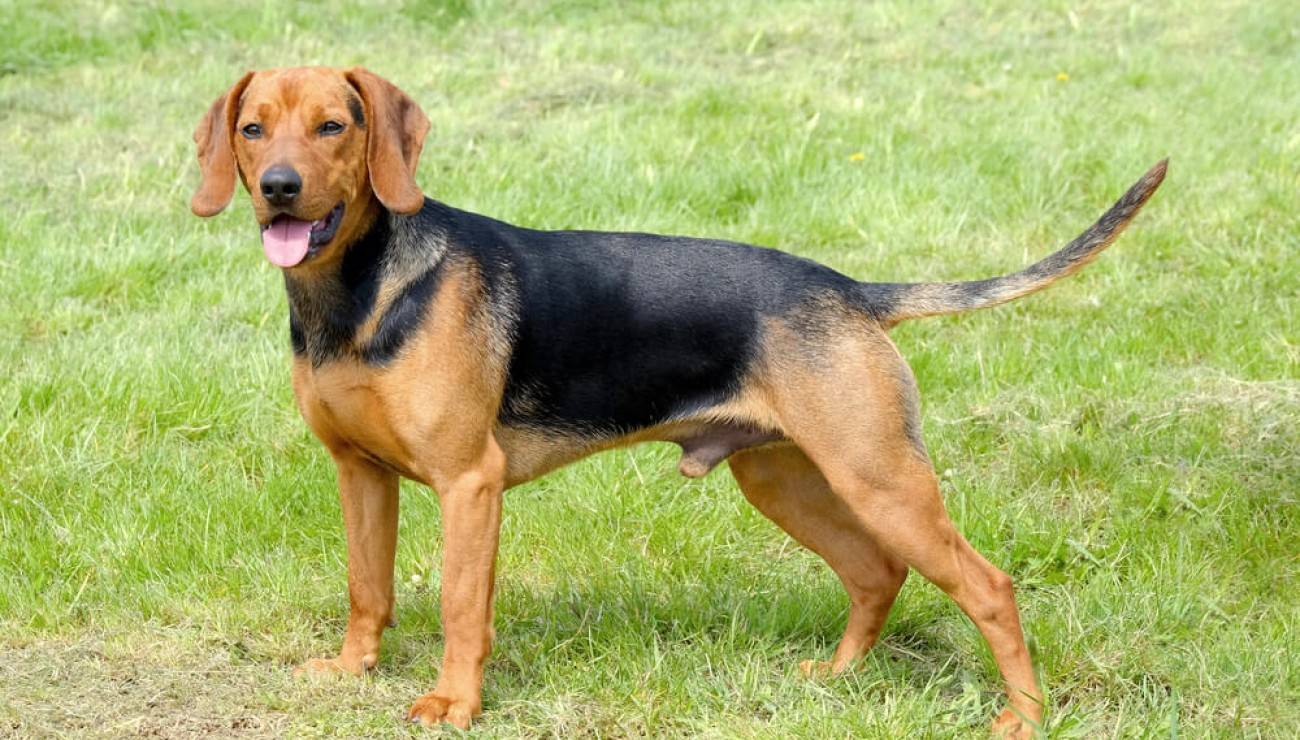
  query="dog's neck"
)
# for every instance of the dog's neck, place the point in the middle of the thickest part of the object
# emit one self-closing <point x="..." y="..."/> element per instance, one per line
<point x="328" y="305"/>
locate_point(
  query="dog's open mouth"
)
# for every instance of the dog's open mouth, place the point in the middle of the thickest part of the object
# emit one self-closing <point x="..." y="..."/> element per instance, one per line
<point x="287" y="241"/>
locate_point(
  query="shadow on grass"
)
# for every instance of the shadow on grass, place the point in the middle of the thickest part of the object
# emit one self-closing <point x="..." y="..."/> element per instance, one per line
<point x="680" y="629"/>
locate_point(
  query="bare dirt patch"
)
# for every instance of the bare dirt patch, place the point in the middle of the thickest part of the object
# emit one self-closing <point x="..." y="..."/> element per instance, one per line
<point x="98" y="688"/>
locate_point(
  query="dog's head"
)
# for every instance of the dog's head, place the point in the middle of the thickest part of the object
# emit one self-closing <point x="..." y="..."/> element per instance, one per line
<point x="319" y="150"/>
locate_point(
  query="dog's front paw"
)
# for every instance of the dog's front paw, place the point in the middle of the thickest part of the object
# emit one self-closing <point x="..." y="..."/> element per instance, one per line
<point x="1010" y="725"/>
<point x="433" y="708"/>
<point x="336" y="666"/>
<point x="814" y="669"/>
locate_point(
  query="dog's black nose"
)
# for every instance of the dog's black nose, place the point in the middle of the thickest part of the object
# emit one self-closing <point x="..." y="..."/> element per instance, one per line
<point x="280" y="185"/>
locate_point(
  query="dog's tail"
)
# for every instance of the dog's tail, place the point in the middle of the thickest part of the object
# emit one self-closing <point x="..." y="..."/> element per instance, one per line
<point x="895" y="302"/>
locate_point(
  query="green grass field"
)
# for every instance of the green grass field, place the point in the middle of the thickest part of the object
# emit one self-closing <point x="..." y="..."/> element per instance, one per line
<point x="1126" y="445"/>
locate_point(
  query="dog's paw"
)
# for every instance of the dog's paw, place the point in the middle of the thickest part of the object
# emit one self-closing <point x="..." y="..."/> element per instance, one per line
<point x="813" y="669"/>
<point x="337" y="666"/>
<point x="1010" y="725"/>
<point x="433" y="708"/>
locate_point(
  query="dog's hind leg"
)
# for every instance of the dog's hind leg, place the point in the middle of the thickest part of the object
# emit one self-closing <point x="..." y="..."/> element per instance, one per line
<point x="788" y="489"/>
<point x="904" y="512"/>
<point x="851" y="408"/>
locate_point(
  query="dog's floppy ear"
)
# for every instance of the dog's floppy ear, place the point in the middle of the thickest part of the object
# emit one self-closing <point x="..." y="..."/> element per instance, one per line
<point x="217" y="153"/>
<point x="397" y="128"/>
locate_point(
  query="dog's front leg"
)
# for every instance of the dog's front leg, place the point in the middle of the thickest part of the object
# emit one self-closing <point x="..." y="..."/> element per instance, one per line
<point x="368" y="495"/>
<point x="471" y="520"/>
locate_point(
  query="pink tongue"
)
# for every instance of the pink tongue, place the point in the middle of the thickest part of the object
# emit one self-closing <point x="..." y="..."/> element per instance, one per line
<point x="286" y="240"/>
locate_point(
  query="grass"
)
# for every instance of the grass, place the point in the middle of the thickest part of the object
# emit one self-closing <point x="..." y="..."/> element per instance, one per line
<point x="1127" y="445"/>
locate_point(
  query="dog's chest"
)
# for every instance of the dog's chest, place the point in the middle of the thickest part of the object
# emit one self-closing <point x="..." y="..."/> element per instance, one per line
<point x="351" y="407"/>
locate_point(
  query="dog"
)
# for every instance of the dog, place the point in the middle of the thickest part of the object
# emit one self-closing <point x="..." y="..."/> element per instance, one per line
<point x="472" y="355"/>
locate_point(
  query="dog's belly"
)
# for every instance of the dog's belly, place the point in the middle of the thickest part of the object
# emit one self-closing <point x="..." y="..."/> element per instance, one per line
<point x="532" y="452"/>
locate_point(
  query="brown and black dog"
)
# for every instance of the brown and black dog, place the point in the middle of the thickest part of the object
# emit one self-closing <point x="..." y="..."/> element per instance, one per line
<point x="472" y="356"/>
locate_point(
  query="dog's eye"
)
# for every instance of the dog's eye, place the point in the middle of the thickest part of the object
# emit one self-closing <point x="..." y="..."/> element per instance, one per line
<point x="251" y="131"/>
<point x="330" y="128"/>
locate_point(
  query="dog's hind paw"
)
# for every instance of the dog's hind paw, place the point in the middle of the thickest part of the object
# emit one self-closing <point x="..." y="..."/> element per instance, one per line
<point x="1010" y="725"/>
<point x="815" y="668"/>
<point x="432" y="708"/>
<point x="822" y="668"/>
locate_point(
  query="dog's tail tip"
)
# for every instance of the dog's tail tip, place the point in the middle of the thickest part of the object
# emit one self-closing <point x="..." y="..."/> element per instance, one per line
<point x="1156" y="175"/>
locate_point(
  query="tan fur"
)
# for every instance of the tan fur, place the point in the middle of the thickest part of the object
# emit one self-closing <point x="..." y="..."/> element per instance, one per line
<point x="420" y="403"/>
<point x="787" y="488"/>
<point x="213" y="138"/>
<point x="398" y="128"/>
